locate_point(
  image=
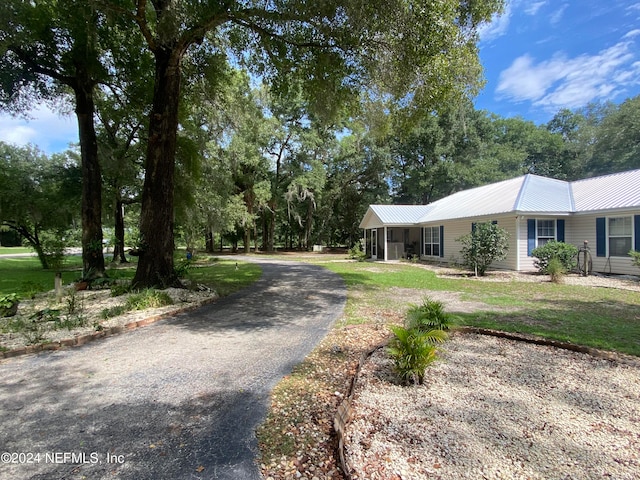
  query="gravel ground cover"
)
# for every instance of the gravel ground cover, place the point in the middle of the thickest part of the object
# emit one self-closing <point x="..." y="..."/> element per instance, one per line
<point x="498" y="409"/>
<point x="298" y="442"/>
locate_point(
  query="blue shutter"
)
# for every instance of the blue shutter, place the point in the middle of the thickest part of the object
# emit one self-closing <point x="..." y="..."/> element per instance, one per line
<point x="636" y="223"/>
<point x="421" y="241"/>
<point x="442" y="240"/>
<point x="495" y="222"/>
<point x="473" y="227"/>
<point x="531" y="235"/>
<point x="560" y="230"/>
<point x="601" y="237"/>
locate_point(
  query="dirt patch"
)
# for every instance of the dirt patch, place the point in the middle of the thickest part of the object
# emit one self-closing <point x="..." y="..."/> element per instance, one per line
<point x="452" y="300"/>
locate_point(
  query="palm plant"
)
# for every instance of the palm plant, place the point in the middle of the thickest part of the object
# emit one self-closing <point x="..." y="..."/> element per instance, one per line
<point x="428" y="316"/>
<point x="412" y="351"/>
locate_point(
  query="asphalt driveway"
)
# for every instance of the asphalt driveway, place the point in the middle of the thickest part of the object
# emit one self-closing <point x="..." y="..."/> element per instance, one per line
<point x="179" y="399"/>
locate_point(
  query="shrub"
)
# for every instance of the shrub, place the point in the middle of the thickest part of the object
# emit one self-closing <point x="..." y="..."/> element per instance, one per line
<point x="9" y="305"/>
<point x="635" y="257"/>
<point x="484" y="245"/>
<point x="564" y="252"/>
<point x="556" y="269"/>
<point x="357" y="252"/>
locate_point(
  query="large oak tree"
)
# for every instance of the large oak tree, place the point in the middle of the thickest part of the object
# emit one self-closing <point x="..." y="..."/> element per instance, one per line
<point x="418" y="51"/>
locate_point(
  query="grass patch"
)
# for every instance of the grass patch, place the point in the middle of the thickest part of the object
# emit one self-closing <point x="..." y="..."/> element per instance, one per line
<point x="26" y="277"/>
<point x="603" y="318"/>
<point x="14" y="250"/>
<point x="223" y="277"/>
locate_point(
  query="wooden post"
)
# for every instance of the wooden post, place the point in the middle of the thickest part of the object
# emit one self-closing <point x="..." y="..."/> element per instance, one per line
<point x="58" y="285"/>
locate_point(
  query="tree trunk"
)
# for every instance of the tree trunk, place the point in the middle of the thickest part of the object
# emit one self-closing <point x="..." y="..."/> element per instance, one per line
<point x="92" y="256"/>
<point x="209" y="240"/>
<point x="118" y="248"/>
<point x="155" y="266"/>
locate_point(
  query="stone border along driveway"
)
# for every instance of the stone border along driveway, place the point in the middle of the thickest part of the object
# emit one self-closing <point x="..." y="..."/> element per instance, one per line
<point x="178" y="399"/>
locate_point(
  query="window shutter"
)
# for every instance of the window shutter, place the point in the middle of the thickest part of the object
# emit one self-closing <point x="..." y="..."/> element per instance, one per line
<point x="421" y="241"/>
<point x="442" y="240"/>
<point x="531" y="235"/>
<point x="494" y="222"/>
<point x="473" y="227"/>
<point x="636" y="226"/>
<point x="560" y="230"/>
<point x="601" y="237"/>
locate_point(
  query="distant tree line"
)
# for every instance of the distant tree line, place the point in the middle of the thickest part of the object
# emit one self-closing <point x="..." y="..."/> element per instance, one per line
<point x="264" y="175"/>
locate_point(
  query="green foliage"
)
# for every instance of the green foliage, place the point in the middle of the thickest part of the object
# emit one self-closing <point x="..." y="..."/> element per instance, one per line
<point x="556" y="269"/>
<point x="148" y="298"/>
<point x="484" y="245"/>
<point x="113" y="311"/>
<point x="8" y="304"/>
<point x="412" y="347"/>
<point x="357" y="251"/>
<point x="412" y="351"/>
<point x="635" y="257"/>
<point x="431" y="315"/>
<point x="565" y="253"/>
<point x="118" y="289"/>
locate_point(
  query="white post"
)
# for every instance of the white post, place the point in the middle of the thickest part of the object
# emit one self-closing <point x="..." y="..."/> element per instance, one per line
<point x="385" y="245"/>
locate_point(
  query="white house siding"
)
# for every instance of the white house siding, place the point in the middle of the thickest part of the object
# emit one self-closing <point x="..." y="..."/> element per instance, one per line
<point x="583" y="227"/>
<point x="454" y="229"/>
<point x="526" y="261"/>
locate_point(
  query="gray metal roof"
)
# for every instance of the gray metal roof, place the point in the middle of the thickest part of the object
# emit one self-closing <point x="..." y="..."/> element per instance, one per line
<point x="610" y="192"/>
<point x="379" y="215"/>
<point x="525" y="194"/>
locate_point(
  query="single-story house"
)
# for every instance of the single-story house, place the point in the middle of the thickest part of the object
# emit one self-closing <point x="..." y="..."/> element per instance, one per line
<point x="605" y="211"/>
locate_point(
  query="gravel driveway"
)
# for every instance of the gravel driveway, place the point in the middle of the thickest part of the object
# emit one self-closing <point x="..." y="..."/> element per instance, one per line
<point x="179" y="399"/>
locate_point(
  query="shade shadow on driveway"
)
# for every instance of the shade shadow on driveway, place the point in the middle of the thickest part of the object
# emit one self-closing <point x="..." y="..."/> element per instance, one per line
<point x="178" y="399"/>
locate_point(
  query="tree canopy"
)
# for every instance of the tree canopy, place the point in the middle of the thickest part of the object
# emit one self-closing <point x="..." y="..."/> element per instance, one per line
<point x="276" y="124"/>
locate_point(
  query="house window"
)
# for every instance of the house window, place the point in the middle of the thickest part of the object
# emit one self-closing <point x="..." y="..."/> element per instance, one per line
<point x="545" y="231"/>
<point x="620" y="236"/>
<point x="432" y="241"/>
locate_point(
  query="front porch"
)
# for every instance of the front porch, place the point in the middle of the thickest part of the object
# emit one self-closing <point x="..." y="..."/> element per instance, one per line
<point x="392" y="243"/>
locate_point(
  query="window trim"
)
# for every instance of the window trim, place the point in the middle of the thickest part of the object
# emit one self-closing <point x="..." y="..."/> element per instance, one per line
<point x="424" y="241"/>
<point x="608" y="234"/>
<point x="548" y="238"/>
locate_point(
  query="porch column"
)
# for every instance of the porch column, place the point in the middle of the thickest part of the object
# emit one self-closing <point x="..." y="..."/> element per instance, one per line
<point x="385" y="244"/>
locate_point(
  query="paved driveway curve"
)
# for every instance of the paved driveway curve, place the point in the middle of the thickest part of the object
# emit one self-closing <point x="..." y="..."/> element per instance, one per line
<point x="179" y="399"/>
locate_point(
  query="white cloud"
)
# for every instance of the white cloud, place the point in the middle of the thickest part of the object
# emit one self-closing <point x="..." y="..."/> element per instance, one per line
<point x="556" y="16"/>
<point x="533" y="8"/>
<point x="632" y="33"/>
<point x="571" y="82"/>
<point x="498" y="27"/>
<point x="50" y="131"/>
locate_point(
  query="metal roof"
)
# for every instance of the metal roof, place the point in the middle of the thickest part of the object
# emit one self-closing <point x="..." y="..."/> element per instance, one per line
<point x="609" y="192"/>
<point x="379" y="215"/>
<point x="525" y="194"/>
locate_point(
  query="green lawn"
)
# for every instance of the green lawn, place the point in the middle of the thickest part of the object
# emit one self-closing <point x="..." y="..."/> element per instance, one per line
<point x="603" y="318"/>
<point x="14" y="250"/>
<point x="25" y="276"/>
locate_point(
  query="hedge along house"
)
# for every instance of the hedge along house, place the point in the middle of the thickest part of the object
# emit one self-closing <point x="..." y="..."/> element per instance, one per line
<point x="605" y="211"/>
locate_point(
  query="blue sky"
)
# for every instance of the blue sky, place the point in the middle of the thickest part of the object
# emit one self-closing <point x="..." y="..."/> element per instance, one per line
<point x="539" y="57"/>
